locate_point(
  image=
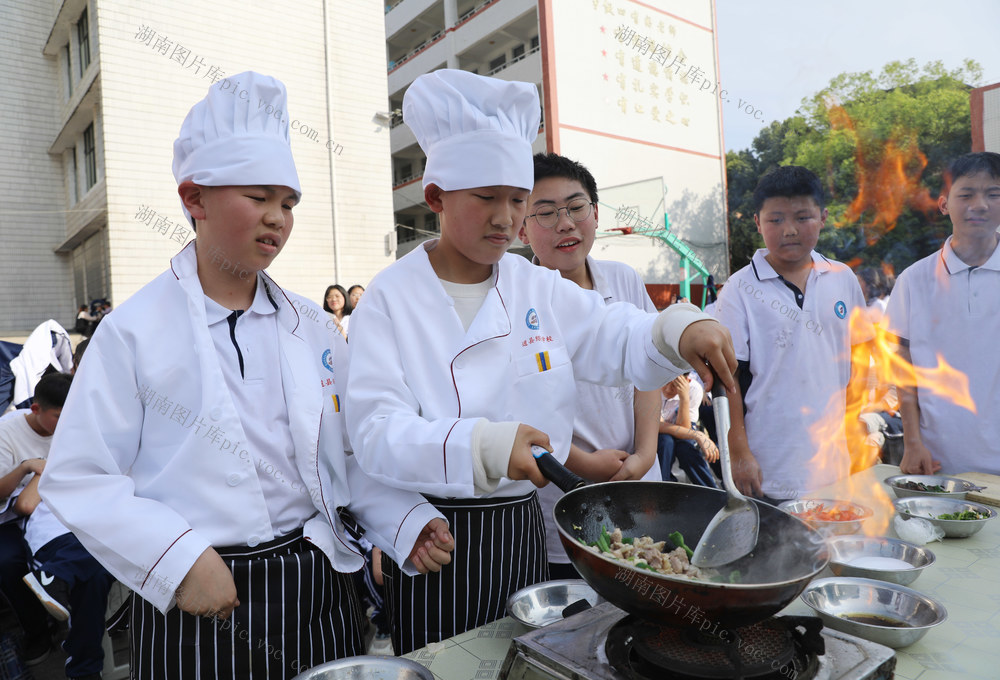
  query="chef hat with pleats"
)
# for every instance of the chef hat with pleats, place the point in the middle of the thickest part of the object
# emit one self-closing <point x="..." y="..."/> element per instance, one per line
<point x="476" y="131"/>
<point x="237" y="136"/>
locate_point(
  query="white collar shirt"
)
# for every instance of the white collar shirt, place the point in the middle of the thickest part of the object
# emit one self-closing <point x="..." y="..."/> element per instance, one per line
<point x="800" y="360"/>
<point x="247" y="344"/>
<point x="945" y="308"/>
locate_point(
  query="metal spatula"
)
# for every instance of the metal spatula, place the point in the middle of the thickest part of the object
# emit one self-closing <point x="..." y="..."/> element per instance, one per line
<point x="732" y="533"/>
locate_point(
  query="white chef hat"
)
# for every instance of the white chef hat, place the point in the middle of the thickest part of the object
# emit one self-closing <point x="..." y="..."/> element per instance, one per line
<point x="476" y="131"/>
<point x="237" y="136"/>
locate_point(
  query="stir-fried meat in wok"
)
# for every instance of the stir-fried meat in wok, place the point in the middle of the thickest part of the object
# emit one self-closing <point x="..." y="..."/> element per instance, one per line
<point x="645" y="553"/>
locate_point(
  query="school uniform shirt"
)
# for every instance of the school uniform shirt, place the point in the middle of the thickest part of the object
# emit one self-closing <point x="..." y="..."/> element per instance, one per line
<point x="245" y="343"/>
<point x="18" y="443"/>
<point x="41" y="526"/>
<point x="798" y="345"/>
<point x="944" y="308"/>
<point x="605" y="416"/>
<point x="670" y="407"/>
<point x="420" y="383"/>
<point x="151" y="463"/>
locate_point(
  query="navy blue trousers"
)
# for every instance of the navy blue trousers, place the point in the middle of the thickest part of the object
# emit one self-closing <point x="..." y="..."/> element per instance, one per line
<point x="688" y="456"/>
<point x="89" y="584"/>
<point x="14" y="557"/>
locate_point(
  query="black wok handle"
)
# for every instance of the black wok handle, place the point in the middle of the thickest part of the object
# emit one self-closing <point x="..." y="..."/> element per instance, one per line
<point x="555" y="471"/>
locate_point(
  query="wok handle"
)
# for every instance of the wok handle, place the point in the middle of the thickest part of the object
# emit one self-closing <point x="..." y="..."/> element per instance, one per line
<point x="556" y="472"/>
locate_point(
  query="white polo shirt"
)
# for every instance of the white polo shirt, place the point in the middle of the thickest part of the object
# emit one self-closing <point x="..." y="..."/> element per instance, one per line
<point x="247" y="345"/>
<point x="942" y="306"/>
<point x="799" y="351"/>
<point x="605" y="416"/>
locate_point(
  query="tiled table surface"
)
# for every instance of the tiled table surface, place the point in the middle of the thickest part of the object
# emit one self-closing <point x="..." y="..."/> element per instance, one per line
<point x="474" y="655"/>
<point x="965" y="578"/>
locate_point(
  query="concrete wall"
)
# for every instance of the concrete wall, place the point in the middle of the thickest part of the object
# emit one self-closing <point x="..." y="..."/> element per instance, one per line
<point x="35" y="282"/>
<point x="150" y="63"/>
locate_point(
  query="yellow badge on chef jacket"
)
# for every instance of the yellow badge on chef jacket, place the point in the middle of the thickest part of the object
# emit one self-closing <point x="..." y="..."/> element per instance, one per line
<point x="336" y="402"/>
<point x="543" y="361"/>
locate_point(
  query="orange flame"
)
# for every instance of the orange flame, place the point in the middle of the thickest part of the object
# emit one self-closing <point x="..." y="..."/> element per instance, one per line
<point x="888" y="177"/>
<point x="875" y="366"/>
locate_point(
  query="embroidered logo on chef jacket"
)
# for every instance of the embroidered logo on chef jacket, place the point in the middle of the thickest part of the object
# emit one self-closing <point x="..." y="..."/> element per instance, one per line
<point x="336" y="402"/>
<point x="840" y="309"/>
<point x="543" y="361"/>
<point x="328" y="360"/>
<point x="531" y="319"/>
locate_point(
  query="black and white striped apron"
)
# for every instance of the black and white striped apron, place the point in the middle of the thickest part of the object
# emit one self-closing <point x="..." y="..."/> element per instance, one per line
<point x="295" y="612"/>
<point x="499" y="549"/>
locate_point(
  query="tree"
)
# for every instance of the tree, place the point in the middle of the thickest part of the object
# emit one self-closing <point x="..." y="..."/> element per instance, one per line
<point x="881" y="144"/>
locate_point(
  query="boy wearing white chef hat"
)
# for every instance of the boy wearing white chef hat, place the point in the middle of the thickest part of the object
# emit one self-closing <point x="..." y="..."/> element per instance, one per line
<point x="223" y="481"/>
<point x="463" y="358"/>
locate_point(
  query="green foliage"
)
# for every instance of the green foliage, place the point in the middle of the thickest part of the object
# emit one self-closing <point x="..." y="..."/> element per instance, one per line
<point x="844" y="133"/>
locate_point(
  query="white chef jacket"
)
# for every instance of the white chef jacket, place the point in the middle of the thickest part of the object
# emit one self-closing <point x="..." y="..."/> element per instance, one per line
<point x="605" y="416"/>
<point x="419" y="382"/>
<point x="137" y="469"/>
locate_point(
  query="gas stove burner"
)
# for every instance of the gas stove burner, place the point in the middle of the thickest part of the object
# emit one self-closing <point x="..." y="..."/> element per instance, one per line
<point x="589" y="646"/>
<point x="779" y="648"/>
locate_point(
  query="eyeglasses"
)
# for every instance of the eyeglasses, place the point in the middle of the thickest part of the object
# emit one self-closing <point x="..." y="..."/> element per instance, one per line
<point x="578" y="210"/>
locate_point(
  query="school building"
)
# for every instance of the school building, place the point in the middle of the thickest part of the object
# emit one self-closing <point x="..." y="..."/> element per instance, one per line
<point x="93" y="97"/>
<point x="95" y="92"/>
<point x="630" y="89"/>
<point x="984" y="105"/>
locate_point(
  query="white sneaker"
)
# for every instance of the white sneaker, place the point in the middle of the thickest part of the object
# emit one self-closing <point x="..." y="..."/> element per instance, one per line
<point x="51" y="604"/>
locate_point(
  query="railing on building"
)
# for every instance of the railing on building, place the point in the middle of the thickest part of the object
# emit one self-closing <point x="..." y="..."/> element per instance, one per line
<point x="513" y="61"/>
<point x="407" y="179"/>
<point x="437" y="36"/>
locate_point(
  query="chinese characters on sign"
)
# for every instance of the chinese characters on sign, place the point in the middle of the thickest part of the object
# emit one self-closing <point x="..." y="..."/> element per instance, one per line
<point x="688" y="75"/>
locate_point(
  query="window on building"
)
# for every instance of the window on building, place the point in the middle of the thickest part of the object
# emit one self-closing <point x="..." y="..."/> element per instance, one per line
<point x="67" y="52"/>
<point x="518" y="51"/>
<point x="430" y="222"/>
<point x="90" y="156"/>
<point x="534" y="42"/>
<point x="498" y="62"/>
<point x="74" y="179"/>
<point x="83" y="37"/>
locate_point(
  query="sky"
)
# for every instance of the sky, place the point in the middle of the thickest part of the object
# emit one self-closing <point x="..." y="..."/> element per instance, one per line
<point x="774" y="53"/>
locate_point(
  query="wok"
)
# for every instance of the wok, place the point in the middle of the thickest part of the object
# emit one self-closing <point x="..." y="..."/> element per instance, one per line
<point x="788" y="554"/>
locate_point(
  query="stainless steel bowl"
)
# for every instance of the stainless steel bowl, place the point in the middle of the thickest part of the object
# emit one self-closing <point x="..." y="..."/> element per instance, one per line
<point x="929" y="508"/>
<point x="845" y="549"/>
<point x="828" y="528"/>
<point x="367" y="668"/>
<point x="955" y="488"/>
<point x="543" y="603"/>
<point x="834" y="598"/>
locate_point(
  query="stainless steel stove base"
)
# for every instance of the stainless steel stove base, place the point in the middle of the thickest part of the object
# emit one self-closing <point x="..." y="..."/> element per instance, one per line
<point x="573" y="649"/>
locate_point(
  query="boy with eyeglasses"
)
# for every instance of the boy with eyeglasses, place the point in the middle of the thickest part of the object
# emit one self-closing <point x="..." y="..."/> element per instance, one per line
<point x="615" y="429"/>
<point x="463" y="358"/>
